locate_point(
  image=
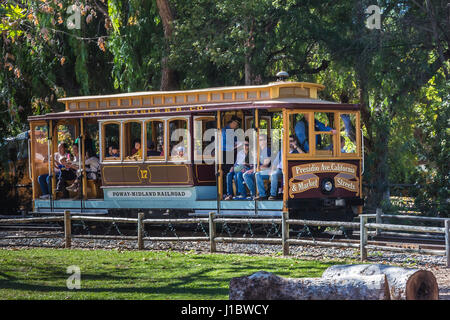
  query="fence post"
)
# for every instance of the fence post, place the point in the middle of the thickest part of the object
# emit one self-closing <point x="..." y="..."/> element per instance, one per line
<point x="285" y="232"/>
<point x="379" y="219"/>
<point x="212" y="232"/>
<point x="140" y="231"/>
<point x="363" y="237"/>
<point x="447" y="241"/>
<point x="67" y="229"/>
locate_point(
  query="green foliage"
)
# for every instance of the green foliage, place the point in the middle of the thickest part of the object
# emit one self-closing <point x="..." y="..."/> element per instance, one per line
<point x="121" y="44"/>
<point x="44" y="60"/>
<point x="432" y="145"/>
<point x="220" y="43"/>
<point x="135" y="43"/>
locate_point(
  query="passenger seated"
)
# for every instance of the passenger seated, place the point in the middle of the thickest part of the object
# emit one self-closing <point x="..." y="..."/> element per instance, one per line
<point x="92" y="166"/>
<point x="136" y="152"/>
<point x="151" y="151"/>
<point x="276" y="172"/>
<point x="136" y="148"/>
<point x="237" y="173"/>
<point x="293" y="145"/>
<point x="68" y="171"/>
<point x="264" y="161"/>
<point x="178" y="150"/>
<point x="44" y="179"/>
<point x="160" y="149"/>
<point x="109" y="152"/>
<point x="114" y="151"/>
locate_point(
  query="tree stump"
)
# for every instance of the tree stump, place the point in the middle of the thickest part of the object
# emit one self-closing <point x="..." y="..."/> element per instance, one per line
<point x="404" y="283"/>
<point x="267" y="286"/>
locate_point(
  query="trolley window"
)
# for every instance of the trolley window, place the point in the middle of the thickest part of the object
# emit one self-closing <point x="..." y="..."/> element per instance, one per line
<point x="299" y="131"/>
<point x="204" y="137"/>
<point x="178" y="139"/>
<point x="111" y="141"/>
<point x="132" y="143"/>
<point x="155" y="139"/>
<point x="91" y="137"/>
<point x="324" y="129"/>
<point x="40" y="157"/>
<point x="65" y="134"/>
<point x="347" y="133"/>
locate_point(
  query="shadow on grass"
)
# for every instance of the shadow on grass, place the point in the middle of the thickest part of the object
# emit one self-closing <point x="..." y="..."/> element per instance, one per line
<point x="194" y="283"/>
<point x="198" y="277"/>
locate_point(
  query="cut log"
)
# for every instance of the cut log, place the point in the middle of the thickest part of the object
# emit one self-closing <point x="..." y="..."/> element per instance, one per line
<point x="267" y="286"/>
<point x="404" y="283"/>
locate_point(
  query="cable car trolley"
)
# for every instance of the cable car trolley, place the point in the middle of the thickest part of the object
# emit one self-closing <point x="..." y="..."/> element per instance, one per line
<point x="237" y="151"/>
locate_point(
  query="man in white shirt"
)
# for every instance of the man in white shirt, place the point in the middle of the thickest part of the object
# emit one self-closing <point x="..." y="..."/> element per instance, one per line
<point x="237" y="173"/>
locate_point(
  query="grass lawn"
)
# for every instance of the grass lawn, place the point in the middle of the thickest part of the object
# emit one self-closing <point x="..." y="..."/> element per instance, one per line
<point x="111" y="274"/>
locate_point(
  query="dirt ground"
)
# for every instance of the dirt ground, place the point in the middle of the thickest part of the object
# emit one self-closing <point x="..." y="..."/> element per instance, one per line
<point x="442" y="275"/>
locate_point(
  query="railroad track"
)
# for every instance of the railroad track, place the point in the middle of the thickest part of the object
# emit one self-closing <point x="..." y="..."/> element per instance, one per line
<point x="407" y="241"/>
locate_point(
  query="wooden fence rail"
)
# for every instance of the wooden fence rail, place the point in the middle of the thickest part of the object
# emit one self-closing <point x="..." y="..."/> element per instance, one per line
<point x="285" y="240"/>
<point x="31" y="220"/>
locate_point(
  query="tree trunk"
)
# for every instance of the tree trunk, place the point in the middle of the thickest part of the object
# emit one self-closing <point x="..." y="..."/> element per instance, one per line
<point x="250" y="47"/>
<point x="267" y="286"/>
<point x="247" y="71"/>
<point x="404" y="283"/>
<point x="168" y="77"/>
<point x="381" y="164"/>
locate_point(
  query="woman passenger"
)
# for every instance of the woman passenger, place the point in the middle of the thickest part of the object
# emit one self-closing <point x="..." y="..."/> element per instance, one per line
<point x="44" y="179"/>
<point x="136" y="152"/>
<point x="92" y="166"/>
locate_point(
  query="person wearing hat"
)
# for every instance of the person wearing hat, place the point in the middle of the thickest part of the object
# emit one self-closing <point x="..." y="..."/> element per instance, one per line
<point x="228" y="146"/>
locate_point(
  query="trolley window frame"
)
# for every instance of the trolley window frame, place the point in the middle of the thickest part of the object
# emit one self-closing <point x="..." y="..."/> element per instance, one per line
<point x="155" y="159"/>
<point x="167" y="153"/>
<point x="312" y="154"/>
<point x="103" y="147"/>
<point x="146" y="159"/>
<point x="358" y="152"/>
<point x="203" y="159"/>
<point x="143" y="145"/>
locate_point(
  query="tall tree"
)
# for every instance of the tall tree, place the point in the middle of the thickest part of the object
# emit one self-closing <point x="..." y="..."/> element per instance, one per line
<point x="391" y="64"/>
<point x="168" y="74"/>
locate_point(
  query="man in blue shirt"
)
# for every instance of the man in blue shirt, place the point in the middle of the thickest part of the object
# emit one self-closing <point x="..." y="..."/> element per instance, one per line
<point x="232" y="125"/>
<point x="302" y="134"/>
